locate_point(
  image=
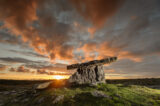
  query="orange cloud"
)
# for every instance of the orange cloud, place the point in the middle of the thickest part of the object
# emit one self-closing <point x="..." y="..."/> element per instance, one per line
<point x="129" y="55"/>
<point x="21" y="69"/>
<point x="109" y="71"/>
<point x="19" y="15"/>
<point x="105" y="49"/>
<point x="51" y="37"/>
<point x="2" y="67"/>
<point x="92" y="30"/>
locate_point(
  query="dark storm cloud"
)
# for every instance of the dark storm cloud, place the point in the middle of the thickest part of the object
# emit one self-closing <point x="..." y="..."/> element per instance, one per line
<point x="97" y="11"/>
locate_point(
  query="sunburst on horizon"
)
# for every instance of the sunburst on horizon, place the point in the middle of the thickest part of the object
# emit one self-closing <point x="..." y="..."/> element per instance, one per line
<point x="58" y="77"/>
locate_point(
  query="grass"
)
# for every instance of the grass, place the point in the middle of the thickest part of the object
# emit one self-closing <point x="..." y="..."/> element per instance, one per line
<point x="131" y="95"/>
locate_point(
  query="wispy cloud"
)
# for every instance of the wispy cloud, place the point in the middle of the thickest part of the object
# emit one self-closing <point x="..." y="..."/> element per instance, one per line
<point x="28" y="53"/>
<point x="15" y="60"/>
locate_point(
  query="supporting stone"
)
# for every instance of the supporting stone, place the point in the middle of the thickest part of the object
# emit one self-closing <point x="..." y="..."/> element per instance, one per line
<point x="93" y="74"/>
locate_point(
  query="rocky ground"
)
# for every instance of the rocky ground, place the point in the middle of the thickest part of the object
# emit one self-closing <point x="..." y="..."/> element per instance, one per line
<point x="57" y="94"/>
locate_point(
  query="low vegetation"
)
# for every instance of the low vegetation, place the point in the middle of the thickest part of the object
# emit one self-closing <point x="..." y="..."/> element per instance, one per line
<point x="144" y="82"/>
<point x="117" y="95"/>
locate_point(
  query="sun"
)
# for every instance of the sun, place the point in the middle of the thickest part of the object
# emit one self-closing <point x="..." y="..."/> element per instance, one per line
<point x="58" y="77"/>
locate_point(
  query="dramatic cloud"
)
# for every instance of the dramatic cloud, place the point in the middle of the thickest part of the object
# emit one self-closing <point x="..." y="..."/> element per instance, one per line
<point x="104" y="50"/>
<point x="50" y="37"/>
<point x="97" y="11"/>
<point x="127" y="36"/>
<point x="40" y="22"/>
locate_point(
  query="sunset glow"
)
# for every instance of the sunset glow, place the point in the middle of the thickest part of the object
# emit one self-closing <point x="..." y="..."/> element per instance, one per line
<point x="58" y="77"/>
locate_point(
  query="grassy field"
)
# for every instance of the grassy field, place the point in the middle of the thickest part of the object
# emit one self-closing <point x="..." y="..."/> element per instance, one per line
<point x="23" y="94"/>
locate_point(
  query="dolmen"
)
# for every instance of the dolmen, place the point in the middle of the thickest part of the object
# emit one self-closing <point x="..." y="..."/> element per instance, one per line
<point x="89" y="72"/>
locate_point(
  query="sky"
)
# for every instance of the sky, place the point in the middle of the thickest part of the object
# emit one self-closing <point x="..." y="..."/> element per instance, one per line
<point x="39" y="38"/>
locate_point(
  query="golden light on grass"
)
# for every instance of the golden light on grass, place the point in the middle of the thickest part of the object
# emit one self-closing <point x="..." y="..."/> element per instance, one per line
<point x="58" y="77"/>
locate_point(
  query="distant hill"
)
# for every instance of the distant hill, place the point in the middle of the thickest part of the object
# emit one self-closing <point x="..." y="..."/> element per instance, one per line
<point x="145" y="81"/>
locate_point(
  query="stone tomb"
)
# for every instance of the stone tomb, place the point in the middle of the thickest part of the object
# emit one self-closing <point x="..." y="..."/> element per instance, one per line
<point x="89" y="72"/>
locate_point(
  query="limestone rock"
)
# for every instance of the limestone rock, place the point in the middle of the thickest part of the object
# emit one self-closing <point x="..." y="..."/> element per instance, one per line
<point x="91" y="74"/>
<point x="43" y="85"/>
<point x="99" y="94"/>
<point x="93" y="63"/>
<point x="58" y="98"/>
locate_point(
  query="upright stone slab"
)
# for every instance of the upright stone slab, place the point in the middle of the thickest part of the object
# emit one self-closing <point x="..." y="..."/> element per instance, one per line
<point x="93" y="74"/>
